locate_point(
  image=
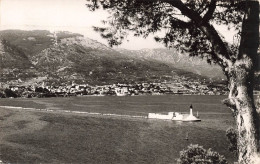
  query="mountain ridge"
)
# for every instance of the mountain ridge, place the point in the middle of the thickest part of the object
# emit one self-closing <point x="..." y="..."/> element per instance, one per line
<point x="65" y="56"/>
<point x="181" y="61"/>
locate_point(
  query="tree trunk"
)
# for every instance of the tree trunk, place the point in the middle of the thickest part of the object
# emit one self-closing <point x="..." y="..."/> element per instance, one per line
<point x="241" y="100"/>
<point x="241" y="79"/>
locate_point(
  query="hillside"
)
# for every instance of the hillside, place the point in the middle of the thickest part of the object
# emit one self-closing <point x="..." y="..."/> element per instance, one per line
<point x="12" y="56"/>
<point x="182" y="61"/>
<point x="65" y="57"/>
<point x="14" y="64"/>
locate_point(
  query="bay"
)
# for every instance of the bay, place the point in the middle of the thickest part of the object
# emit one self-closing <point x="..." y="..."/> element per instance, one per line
<point x="162" y="138"/>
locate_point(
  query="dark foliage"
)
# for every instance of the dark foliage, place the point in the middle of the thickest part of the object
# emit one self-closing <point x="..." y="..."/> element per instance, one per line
<point x="10" y="93"/>
<point x="181" y="22"/>
<point x="196" y="154"/>
<point x="231" y="134"/>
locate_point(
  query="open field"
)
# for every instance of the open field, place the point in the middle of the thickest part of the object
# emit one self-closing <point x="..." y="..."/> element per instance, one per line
<point x="54" y="137"/>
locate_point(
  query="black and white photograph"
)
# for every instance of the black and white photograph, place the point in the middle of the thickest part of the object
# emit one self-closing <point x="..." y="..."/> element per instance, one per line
<point x="129" y="82"/>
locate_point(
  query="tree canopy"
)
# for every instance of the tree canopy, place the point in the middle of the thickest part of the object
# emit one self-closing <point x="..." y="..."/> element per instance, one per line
<point x="188" y="25"/>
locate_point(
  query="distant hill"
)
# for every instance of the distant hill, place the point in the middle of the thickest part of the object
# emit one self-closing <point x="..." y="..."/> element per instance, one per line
<point x="181" y="61"/>
<point x="12" y="56"/>
<point x="30" y="42"/>
<point x="65" y="57"/>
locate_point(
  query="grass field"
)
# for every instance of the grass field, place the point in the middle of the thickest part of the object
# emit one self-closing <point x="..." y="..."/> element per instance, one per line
<point x="53" y="137"/>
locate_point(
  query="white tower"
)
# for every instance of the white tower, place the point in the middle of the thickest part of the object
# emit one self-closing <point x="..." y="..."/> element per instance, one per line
<point x="191" y="114"/>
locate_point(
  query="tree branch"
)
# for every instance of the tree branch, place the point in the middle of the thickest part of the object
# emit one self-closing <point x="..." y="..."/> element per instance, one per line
<point x="249" y="42"/>
<point x="194" y="16"/>
<point x="222" y="50"/>
<point x="211" y="9"/>
<point x="179" y="23"/>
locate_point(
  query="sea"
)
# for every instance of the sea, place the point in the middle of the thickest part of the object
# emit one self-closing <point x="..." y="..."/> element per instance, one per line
<point x="210" y="132"/>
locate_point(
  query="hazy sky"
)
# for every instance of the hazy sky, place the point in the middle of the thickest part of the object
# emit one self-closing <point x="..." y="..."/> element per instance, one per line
<point x="68" y="15"/>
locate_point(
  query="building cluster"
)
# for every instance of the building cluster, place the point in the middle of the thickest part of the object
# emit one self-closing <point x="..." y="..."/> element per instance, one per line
<point x="42" y="90"/>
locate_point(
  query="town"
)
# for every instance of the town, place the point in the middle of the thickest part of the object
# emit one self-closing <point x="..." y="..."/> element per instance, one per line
<point x="44" y="89"/>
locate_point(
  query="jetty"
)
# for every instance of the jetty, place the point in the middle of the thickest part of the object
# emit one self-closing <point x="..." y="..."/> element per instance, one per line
<point x="175" y="116"/>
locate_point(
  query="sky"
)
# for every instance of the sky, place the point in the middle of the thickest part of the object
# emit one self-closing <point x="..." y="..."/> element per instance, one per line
<point x="63" y="15"/>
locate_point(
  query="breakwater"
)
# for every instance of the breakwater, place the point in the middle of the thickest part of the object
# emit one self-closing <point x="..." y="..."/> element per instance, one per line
<point x="71" y="111"/>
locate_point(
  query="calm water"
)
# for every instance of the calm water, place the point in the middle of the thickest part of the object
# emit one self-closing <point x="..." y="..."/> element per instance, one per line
<point x="132" y="104"/>
<point x="210" y="109"/>
<point x="210" y="132"/>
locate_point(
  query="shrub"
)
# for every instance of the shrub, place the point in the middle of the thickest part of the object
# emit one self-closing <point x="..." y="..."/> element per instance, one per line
<point x="231" y="134"/>
<point x="2" y="94"/>
<point x="196" y="154"/>
<point x="10" y="93"/>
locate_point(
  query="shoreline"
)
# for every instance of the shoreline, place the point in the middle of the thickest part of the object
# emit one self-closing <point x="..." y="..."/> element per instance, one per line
<point x="143" y="95"/>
